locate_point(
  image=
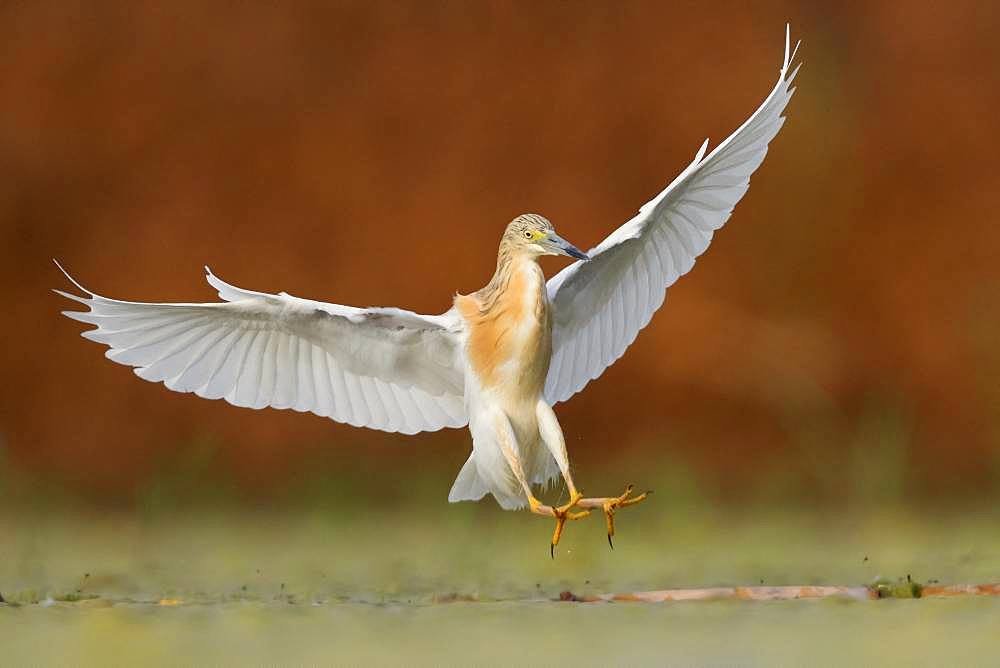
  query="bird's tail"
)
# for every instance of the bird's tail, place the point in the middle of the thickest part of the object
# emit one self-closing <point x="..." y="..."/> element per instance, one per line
<point x="468" y="485"/>
<point x="471" y="486"/>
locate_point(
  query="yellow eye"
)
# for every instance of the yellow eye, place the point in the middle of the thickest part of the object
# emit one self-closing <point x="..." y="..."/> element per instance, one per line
<point x="528" y="234"/>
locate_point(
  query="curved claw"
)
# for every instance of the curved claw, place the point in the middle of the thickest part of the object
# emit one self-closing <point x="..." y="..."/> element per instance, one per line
<point x="611" y="505"/>
<point x="562" y="514"/>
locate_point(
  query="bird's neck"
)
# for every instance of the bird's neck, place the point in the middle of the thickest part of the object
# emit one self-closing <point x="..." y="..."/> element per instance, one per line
<point x="509" y="263"/>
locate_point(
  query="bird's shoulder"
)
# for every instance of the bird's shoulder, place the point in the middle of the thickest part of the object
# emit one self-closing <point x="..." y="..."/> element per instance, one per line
<point x="468" y="306"/>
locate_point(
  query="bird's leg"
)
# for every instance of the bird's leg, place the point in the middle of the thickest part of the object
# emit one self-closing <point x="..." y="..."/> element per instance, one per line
<point x="552" y="436"/>
<point x="505" y="438"/>
<point x="561" y="513"/>
<point x="611" y="504"/>
<point x="564" y="512"/>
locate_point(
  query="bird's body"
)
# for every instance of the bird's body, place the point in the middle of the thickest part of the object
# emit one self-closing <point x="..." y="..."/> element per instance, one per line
<point x="497" y="361"/>
<point x="507" y="338"/>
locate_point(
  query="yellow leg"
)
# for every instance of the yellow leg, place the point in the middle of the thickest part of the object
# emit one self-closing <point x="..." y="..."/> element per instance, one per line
<point x="611" y="504"/>
<point x="506" y="441"/>
<point x="561" y="513"/>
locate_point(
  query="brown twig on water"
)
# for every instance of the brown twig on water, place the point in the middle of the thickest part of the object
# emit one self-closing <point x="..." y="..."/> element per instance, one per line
<point x="787" y="592"/>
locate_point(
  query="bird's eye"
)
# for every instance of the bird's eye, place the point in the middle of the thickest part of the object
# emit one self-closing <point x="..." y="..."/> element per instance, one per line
<point x="527" y="234"/>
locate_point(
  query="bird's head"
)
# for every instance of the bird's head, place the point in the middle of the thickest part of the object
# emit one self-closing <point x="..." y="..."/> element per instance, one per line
<point x="534" y="234"/>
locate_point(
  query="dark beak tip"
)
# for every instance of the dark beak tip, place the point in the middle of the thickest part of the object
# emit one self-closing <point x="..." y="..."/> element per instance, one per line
<point x="569" y="249"/>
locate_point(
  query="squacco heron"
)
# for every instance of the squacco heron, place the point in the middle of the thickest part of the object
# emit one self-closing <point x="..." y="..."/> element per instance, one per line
<point x="497" y="361"/>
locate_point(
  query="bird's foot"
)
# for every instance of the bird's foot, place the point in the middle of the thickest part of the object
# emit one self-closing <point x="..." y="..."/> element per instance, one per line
<point x="610" y="505"/>
<point x="561" y="513"/>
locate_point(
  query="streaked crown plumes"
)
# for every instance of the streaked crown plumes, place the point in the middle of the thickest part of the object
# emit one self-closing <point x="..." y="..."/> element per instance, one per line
<point x="527" y="229"/>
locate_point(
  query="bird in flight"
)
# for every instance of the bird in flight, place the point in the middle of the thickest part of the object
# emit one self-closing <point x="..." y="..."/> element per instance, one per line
<point x="496" y="362"/>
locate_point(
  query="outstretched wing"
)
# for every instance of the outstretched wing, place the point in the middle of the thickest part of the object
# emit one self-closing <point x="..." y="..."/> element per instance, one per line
<point x="386" y="369"/>
<point x="600" y="305"/>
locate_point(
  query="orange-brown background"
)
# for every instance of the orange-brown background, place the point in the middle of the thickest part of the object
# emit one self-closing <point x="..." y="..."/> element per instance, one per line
<point x="371" y="153"/>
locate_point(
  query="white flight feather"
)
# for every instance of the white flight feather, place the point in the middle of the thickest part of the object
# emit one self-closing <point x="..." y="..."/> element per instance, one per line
<point x="599" y="306"/>
<point x="387" y="369"/>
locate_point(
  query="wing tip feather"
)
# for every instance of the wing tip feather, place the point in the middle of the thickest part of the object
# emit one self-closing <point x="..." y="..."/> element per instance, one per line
<point x="790" y="52"/>
<point x="70" y="295"/>
<point x="788" y="38"/>
<point x="80" y="316"/>
<point x="791" y="77"/>
<point x="70" y="279"/>
<point x="701" y="151"/>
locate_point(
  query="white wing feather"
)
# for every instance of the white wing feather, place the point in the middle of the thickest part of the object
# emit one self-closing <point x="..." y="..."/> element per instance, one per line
<point x="386" y="369"/>
<point x="599" y="306"/>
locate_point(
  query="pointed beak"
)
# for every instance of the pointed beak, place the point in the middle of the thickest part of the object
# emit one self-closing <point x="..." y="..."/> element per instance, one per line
<point x="566" y="248"/>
